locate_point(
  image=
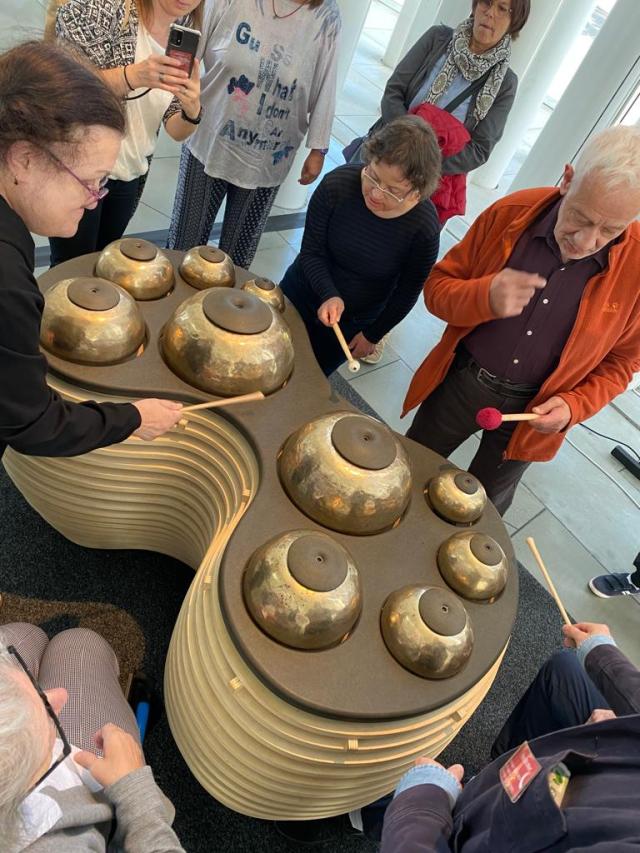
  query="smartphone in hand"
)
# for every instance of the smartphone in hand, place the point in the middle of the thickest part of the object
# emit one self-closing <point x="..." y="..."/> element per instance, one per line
<point x="183" y="45"/>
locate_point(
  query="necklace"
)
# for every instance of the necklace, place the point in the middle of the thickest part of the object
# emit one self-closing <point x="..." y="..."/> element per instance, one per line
<point x="289" y="14"/>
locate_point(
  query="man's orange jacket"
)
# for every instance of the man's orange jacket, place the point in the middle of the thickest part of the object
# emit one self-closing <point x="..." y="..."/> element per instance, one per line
<point x="603" y="349"/>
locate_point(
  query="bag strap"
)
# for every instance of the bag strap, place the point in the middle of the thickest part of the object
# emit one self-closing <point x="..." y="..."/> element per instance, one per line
<point x="470" y="90"/>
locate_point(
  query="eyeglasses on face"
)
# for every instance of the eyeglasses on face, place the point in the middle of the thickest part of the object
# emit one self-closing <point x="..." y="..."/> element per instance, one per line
<point x="96" y="194"/>
<point x="386" y="193"/>
<point x="503" y="10"/>
<point x="66" y="746"/>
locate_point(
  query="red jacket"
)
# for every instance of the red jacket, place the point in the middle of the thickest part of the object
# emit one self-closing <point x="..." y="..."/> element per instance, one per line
<point x="450" y="199"/>
<point x="603" y="349"/>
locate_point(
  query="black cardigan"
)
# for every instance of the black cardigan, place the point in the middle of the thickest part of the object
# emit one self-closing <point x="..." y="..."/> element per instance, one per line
<point x="33" y="419"/>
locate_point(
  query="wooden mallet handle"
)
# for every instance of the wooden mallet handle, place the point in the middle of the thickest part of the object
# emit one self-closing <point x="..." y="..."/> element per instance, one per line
<point x="534" y="550"/>
<point x="214" y="404"/>
<point x="354" y="366"/>
<point x="525" y="416"/>
<point x="228" y="401"/>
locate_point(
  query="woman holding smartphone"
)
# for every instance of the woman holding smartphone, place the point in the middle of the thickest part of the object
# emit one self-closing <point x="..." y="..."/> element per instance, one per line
<point x="126" y="40"/>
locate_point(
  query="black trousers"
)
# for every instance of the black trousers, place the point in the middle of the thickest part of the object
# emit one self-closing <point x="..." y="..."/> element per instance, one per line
<point x="324" y="343"/>
<point x="561" y="696"/>
<point x="447" y="418"/>
<point x="101" y="226"/>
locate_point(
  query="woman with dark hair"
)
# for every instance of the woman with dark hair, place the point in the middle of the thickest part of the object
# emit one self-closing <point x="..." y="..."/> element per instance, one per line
<point x="126" y="40"/>
<point x="270" y="79"/>
<point x="370" y="239"/>
<point x="60" y="132"/>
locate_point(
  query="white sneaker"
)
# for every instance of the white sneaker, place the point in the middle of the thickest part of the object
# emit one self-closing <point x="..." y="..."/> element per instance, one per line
<point x="376" y="355"/>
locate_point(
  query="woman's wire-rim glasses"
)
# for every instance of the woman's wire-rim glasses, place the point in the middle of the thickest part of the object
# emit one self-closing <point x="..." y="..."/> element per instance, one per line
<point x="502" y="10"/>
<point x="380" y="188"/>
<point x="66" y="746"/>
<point x="96" y="195"/>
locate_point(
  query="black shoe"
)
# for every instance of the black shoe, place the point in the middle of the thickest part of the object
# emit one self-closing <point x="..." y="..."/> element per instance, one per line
<point x="609" y="586"/>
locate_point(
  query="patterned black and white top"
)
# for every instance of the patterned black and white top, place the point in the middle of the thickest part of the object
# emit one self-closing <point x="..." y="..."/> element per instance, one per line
<point x="106" y="32"/>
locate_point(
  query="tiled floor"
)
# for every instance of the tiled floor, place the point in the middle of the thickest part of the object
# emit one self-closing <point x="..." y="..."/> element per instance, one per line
<point x="583" y="510"/>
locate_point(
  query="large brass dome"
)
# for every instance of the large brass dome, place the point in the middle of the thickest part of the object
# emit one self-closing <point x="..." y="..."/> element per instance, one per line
<point x="348" y="472"/>
<point x="303" y="589"/>
<point x="91" y="321"/>
<point x="228" y="342"/>
<point x="138" y="266"/>
<point x="427" y="630"/>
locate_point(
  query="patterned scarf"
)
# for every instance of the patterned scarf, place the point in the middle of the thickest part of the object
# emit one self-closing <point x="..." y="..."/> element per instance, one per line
<point x="460" y="60"/>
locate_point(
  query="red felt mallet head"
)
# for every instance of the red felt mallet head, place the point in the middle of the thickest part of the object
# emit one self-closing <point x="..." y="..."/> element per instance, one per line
<point x="489" y="418"/>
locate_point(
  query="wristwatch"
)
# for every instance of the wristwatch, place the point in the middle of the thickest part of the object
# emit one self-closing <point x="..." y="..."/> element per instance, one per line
<point x="195" y="120"/>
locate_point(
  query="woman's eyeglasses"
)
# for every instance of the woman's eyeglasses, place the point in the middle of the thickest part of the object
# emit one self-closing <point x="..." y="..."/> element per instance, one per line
<point x="96" y="194"/>
<point x="66" y="746"/>
<point x="503" y="10"/>
<point x="386" y="193"/>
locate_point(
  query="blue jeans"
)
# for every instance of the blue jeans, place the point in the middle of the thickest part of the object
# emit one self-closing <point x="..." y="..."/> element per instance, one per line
<point x="323" y="340"/>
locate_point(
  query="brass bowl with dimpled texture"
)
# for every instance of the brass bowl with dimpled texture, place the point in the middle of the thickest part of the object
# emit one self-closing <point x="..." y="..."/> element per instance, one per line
<point x="348" y="472"/>
<point x="474" y="565"/>
<point x="427" y="630"/>
<point x="266" y="290"/>
<point x="91" y="321"/>
<point x="138" y="266"/>
<point x="206" y="266"/>
<point x="228" y="342"/>
<point x="457" y="496"/>
<point x="303" y="589"/>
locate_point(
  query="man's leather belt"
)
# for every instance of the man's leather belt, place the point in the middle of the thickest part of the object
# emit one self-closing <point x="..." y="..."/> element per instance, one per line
<point x="493" y="382"/>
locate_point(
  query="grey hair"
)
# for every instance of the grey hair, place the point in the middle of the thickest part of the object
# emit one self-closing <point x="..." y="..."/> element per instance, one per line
<point x="21" y="751"/>
<point x="615" y="155"/>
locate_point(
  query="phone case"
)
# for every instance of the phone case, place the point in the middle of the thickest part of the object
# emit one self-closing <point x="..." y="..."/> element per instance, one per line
<point x="185" y="51"/>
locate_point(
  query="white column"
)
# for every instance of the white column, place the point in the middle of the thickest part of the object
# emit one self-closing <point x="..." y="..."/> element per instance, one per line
<point x="292" y="195"/>
<point x="415" y="15"/>
<point x="566" y="21"/>
<point x="600" y="87"/>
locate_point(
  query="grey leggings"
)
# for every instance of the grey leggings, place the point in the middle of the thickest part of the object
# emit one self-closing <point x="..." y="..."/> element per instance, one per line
<point x="84" y="663"/>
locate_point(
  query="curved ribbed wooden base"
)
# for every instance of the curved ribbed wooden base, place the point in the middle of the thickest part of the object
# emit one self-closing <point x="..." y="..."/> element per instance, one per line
<point x="183" y="495"/>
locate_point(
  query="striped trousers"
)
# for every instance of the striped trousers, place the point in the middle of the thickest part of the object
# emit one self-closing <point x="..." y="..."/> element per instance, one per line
<point x="198" y="199"/>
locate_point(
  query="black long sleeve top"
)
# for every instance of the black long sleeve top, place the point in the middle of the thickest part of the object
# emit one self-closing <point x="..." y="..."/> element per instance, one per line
<point x="376" y="266"/>
<point x="34" y="419"/>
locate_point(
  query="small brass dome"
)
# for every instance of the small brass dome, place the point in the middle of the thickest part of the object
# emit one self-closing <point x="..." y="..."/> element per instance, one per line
<point x="266" y="290"/>
<point x="138" y="266"/>
<point x="205" y="266"/>
<point x="457" y="496"/>
<point x="474" y="565"/>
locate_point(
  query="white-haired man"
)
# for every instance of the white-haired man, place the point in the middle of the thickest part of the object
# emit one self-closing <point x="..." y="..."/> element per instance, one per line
<point x="542" y="303"/>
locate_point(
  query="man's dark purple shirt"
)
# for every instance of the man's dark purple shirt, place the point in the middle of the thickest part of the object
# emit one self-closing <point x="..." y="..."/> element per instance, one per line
<point x="526" y="349"/>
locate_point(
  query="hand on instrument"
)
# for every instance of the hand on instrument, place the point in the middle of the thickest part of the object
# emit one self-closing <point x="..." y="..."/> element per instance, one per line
<point x="311" y="167"/>
<point x="598" y="715"/>
<point x="156" y="72"/>
<point x="456" y="770"/>
<point x="157" y="416"/>
<point x="575" y="635"/>
<point x="512" y="290"/>
<point x="330" y="311"/>
<point x="122" y="755"/>
<point x="555" y="414"/>
<point x="187" y="91"/>
<point x="360" y="346"/>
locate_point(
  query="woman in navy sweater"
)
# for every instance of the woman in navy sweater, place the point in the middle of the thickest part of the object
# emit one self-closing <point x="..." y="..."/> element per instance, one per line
<point x="370" y="239"/>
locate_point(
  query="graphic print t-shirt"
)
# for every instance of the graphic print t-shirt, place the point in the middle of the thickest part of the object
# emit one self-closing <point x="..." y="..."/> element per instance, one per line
<point x="267" y="82"/>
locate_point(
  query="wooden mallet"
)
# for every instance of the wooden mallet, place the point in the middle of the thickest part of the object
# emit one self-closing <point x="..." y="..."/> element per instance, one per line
<point x="214" y="404"/>
<point x="534" y="550"/>
<point x="491" y="418"/>
<point x="354" y="366"/>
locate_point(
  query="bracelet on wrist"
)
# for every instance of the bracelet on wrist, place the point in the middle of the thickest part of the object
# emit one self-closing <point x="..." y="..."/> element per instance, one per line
<point x="126" y="79"/>
<point x="190" y="120"/>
